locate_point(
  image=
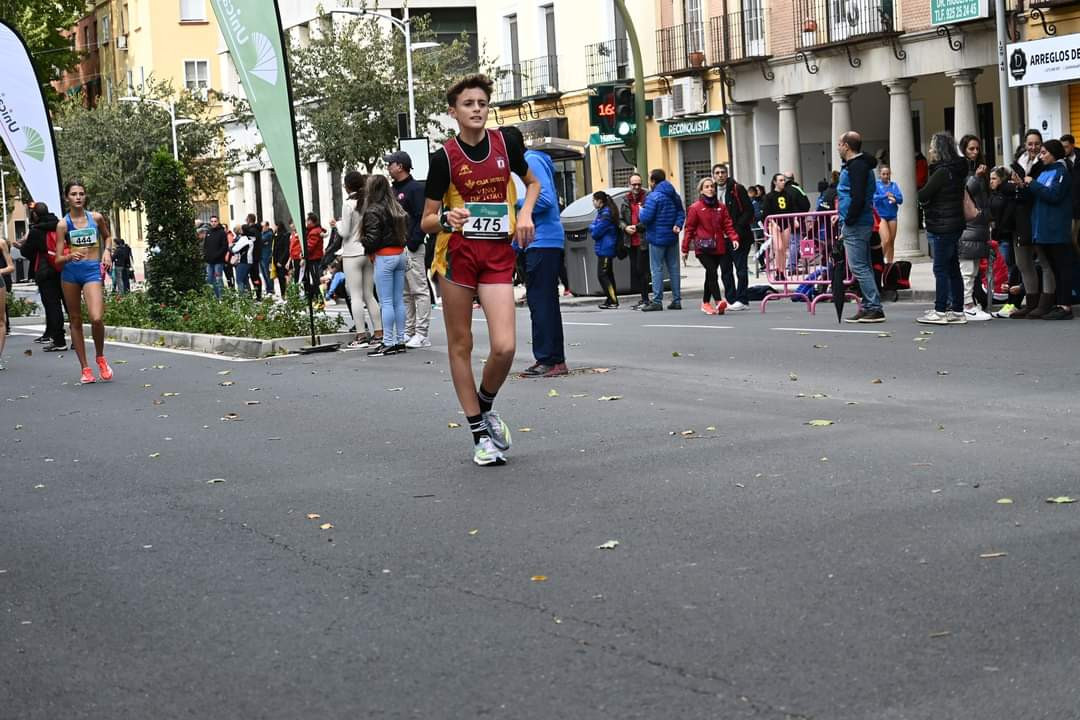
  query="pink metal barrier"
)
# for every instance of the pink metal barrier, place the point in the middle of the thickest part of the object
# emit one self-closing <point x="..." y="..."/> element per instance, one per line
<point x="797" y="257"/>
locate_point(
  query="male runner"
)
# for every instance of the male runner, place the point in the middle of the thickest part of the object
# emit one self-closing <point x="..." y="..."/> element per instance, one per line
<point x="470" y="203"/>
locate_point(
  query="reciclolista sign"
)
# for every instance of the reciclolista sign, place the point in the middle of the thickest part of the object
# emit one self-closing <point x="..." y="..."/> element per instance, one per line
<point x="696" y="126"/>
<point x="1050" y="60"/>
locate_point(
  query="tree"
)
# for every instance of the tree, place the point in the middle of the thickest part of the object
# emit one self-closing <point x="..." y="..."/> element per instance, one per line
<point x="111" y="146"/>
<point x="174" y="257"/>
<point x="350" y="84"/>
<point x="46" y="26"/>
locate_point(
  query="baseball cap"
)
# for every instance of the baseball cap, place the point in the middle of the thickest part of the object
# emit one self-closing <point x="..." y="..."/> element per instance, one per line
<point x="401" y="157"/>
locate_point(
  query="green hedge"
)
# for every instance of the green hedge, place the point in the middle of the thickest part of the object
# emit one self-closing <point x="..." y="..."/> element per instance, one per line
<point x="19" y="307"/>
<point x="235" y="314"/>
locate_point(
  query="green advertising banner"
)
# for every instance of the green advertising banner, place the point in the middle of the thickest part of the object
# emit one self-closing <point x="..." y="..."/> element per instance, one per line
<point x="253" y="36"/>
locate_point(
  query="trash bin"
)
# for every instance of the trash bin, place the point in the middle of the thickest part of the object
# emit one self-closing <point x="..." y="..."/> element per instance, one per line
<point x="580" y="253"/>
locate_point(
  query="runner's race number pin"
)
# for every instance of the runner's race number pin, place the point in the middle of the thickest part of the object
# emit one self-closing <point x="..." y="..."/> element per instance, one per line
<point x="487" y="221"/>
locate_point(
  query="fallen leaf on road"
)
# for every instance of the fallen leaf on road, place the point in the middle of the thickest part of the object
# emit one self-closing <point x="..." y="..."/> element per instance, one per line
<point x="313" y="516"/>
<point x="39" y="487"/>
<point x="824" y="459"/>
<point x="326" y="526"/>
<point x="473" y="531"/>
<point x="158" y="367"/>
<point x="556" y="619"/>
<point x="820" y="347"/>
<point x="224" y="372"/>
<point x="215" y="481"/>
<point x="674" y="353"/>
<point x="851" y="402"/>
<point x="169" y="394"/>
<point x="253" y="402"/>
<point x="1004" y="501"/>
<point x="154" y="455"/>
<point x="801" y="332"/>
<point x="919" y="339"/>
<point x="819" y="423"/>
<point x="793" y="377"/>
<point x="926" y="332"/>
<point x="539" y="578"/>
<point x="226" y="383"/>
<point x="28" y="353"/>
<point x="601" y="370"/>
<point x="875" y="381"/>
<point x="884" y="334"/>
<point x="610" y="397"/>
<point x="942" y="372"/>
<point x="739" y="485"/>
<point x="941" y="634"/>
<point x="230" y="416"/>
<point x="818" y="396"/>
<point x="1061" y="500"/>
<point x="394" y="389"/>
<point x="609" y="545"/>
<point x="553" y="393"/>
<point x="453" y="425"/>
<point x="18" y="427"/>
<point x="120" y="362"/>
<point x="147" y="385"/>
<point x="711" y="428"/>
<point x="687" y="432"/>
<point x="580" y="395"/>
<point x="525" y="429"/>
<point x="992" y="555"/>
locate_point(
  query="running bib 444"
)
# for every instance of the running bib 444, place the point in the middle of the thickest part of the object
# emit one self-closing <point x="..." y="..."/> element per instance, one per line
<point x="487" y="221"/>
<point x="83" y="237"/>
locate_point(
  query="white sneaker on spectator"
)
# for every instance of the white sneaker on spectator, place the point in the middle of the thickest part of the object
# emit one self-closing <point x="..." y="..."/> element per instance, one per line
<point x="407" y="339"/>
<point x="418" y="341"/>
<point x="976" y="314"/>
<point x="737" y="306"/>
<point x="933" y="317"/>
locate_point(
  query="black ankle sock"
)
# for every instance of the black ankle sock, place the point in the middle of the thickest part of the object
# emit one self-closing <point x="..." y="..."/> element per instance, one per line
<point x="478" y="426"/>
<point x="485" y="398"/>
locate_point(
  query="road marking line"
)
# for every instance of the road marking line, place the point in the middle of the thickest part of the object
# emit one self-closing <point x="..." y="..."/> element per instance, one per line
<point x="175" y="351"/>
<point x="587" y="324"/>
<point x="827" y="330"/>
<point x="707" y="327"/>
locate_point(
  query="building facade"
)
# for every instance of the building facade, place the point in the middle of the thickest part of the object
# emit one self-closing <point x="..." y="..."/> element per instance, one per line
<point x="253" y="186"/>
<point x="801" y="72"/>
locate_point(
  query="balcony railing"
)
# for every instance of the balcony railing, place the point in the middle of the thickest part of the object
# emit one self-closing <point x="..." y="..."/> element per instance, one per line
<point x="607" y="62"/>
<point x="738" y="36"/>
<point x="538" y="77"/>
<point x="680" y="48"/>
<point x="823" y="22"/>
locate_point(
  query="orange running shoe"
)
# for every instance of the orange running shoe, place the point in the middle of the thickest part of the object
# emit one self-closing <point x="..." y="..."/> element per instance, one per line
<point x="87" y="377"/>
<point x="104" y="371"/>
<point x="720" y="307"/>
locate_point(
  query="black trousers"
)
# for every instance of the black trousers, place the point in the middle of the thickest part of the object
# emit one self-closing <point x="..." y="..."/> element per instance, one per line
<point x="605" y="272"/>
<point x="1060" y="259"/>
<point x="640" y="276"/>
<point x="52" y="298"/>
<point x="739" y="290"/>
<point x="282" y="272"/>
<point x="712" y="263"/>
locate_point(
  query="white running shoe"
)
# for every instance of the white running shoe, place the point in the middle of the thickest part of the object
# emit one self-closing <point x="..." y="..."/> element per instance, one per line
<point x="737" y="306"/>
<point x="485" y="453"/>
<point x="933" y="317"/>
<point x="500" y="433"/>
<point x="976" y="314"/>
<point x="956" y="318"/>
<point x="418" y="341"/>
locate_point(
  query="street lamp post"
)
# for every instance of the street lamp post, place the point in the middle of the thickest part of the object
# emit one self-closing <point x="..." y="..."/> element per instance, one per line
<point x="173" y="121"/>
<point x="404" y="26"/>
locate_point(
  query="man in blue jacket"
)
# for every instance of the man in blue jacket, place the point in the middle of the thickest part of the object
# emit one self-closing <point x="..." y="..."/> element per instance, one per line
<point x="663" y="216"/>
<point x="543" y="263"/>
<point x="855" y="211"/>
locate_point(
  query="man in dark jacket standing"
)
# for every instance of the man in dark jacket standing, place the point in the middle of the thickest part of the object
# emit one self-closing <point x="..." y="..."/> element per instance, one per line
<point x="629" y="215"/>
<point x="855" y="209"/>
<point x="215" y="245"/>
<point x="42" y="257"/>
<point x="741" y="210"/>
<point x="410" y="194"/>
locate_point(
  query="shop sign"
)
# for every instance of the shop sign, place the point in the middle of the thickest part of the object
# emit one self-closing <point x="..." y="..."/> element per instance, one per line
<point x="605" y="139"/>
<point x="696" y="126"/>
<point x="947" y="12"/>
<point x="1050" y="60"/>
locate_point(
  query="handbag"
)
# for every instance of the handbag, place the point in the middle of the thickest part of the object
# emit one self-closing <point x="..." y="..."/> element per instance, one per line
<point x="705" y="244"/>
<point x="970" y="211"/>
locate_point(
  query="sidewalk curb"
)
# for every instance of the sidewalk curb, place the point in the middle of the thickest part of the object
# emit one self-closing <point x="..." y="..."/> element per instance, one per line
<point x="216" y="344"/>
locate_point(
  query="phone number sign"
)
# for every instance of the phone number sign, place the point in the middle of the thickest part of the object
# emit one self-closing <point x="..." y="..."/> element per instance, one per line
<point x="947" y="12"/>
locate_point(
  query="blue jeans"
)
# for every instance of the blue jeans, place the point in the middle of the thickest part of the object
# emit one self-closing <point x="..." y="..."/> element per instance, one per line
<point x="243" y="276"/>
<point x="661" y="256"/>
<point x="948" y="282"/>
<point x="390" y="283"/>
<point x="542" y="266"/>
<point x="264" y="265"/>
<point x="214" y="271"/>
<point x="857" y="248"/>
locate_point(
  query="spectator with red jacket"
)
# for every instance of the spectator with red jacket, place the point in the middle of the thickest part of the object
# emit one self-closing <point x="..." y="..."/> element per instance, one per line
<point x="630" y="223"/>
<point x="40" y="249"/>
<point x="712" y="233"/>
<point x="314" y="234"/>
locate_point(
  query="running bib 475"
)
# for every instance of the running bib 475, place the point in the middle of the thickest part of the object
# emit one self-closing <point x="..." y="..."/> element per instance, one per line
<point x="83" y="237"/>
<point x="487" y="221"/>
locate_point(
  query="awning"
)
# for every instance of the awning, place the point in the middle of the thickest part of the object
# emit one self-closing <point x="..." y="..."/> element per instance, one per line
<point x="558" y="148"/>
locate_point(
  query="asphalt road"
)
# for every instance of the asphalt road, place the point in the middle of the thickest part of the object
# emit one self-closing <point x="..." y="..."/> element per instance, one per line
<point x="766" y="568"/>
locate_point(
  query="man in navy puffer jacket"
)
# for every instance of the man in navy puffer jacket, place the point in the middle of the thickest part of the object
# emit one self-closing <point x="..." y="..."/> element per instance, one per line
<point x="663" y="216"/>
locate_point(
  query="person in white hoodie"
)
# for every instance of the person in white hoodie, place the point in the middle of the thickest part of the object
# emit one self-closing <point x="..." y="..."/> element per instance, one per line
<point x="359" y="270"/>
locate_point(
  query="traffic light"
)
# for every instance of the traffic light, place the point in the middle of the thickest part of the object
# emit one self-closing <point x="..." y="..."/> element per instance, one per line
<point x="625" y="116"/>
